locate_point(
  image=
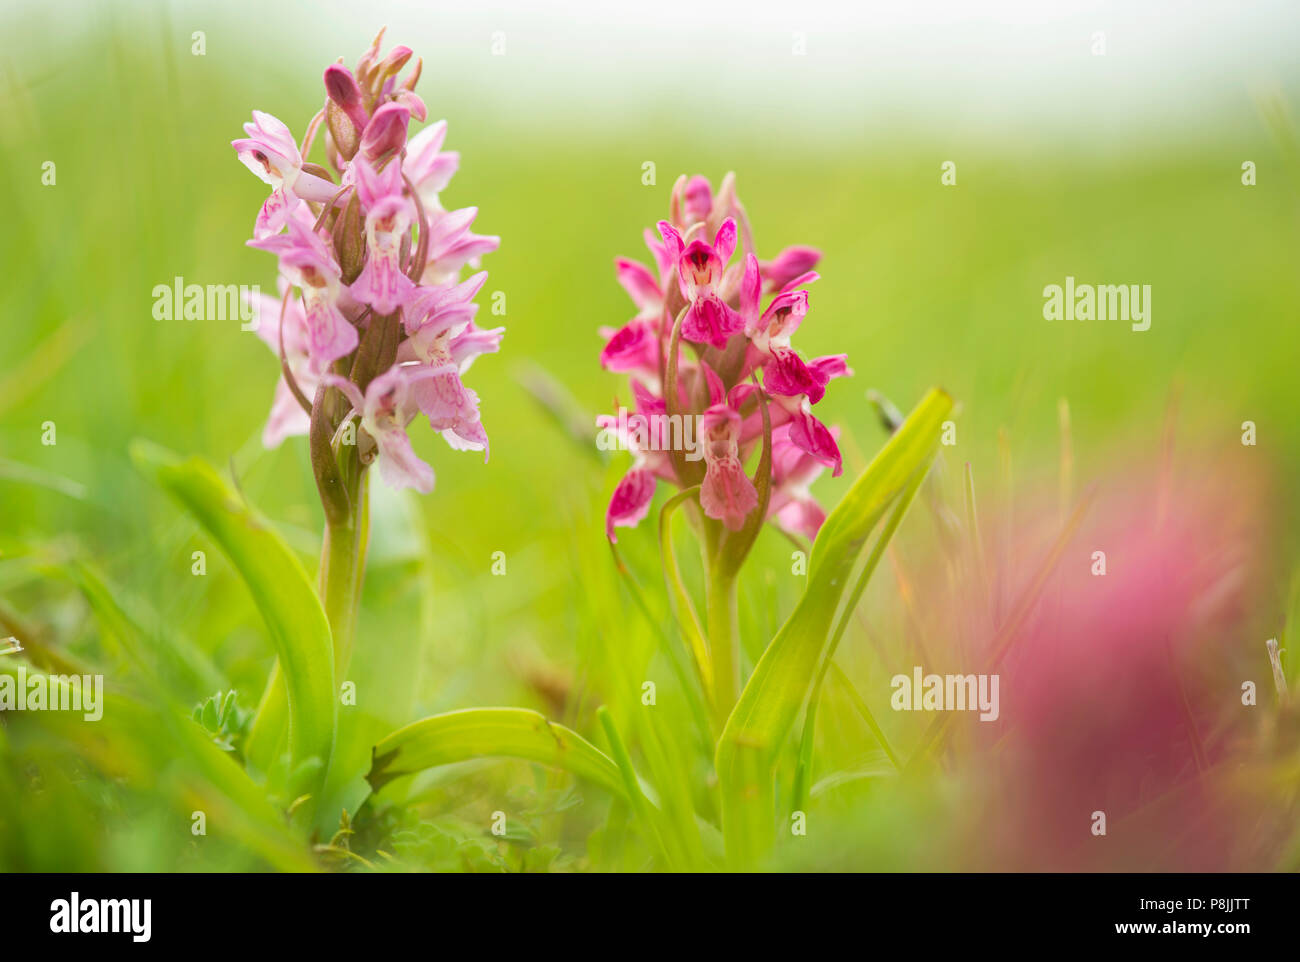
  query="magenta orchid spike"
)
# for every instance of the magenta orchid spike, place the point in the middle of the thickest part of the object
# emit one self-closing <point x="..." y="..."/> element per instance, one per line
<point x="708" y="304"/>
<point x="374" y="326"/>
<point x="718" y="386"/>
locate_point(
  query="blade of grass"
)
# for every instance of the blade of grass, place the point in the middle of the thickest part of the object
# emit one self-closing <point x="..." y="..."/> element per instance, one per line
<point x="641" y="807"/>
<point x="784" y="676"/>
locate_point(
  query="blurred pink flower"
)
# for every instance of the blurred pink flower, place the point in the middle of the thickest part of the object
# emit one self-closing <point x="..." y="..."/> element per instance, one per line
<point x="1119" y="693"/>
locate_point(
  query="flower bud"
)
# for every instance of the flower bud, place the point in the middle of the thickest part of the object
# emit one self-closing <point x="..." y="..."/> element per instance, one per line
<point x="346" y="136"/>
<point x="341" y="88"/>
<point x="413" y="103"/>
<point x="386" y="131"/>
<point x="350" y="240"/>
<point x="393" y="64"/>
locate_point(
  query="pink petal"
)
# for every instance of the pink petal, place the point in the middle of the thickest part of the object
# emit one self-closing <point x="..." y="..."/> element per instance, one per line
<point x="789" y="264"/>
<point x="784" y="314"/>
<point x="329" y="335"/>
<point x="698" y="198"/>
<point x="801" y="281"/>
<point x="788" y="376"/>
<point x="711" y="321"/>
<point x="724" y="243"/>
<point x="630" y="501"/>
<point x="673" y="245"/>
<point x="640" y="284"/>
<point x="800" y="516"/>
<point x="726" y="493"/>
<point x="659" y="252"/>
<point x="398" y="464"/>
<point x="468" y="437"/>
<point x="471" y="343"/>
<point x="287" y="416"/>
<point x="830" y="366"/>
<point x="812" y="436"/>
<point x="443" y="398"/>
<point x="633" y="347"/>
<point x="699" y="269"/>
<point x="316" y="189"/>
<point x="386" y="131"/>
<point x="382" y="284"/>
<point x="274" y="214"/>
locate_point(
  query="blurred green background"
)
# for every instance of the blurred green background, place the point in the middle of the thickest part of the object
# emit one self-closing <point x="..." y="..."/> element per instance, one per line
<point x="921" y="284"/>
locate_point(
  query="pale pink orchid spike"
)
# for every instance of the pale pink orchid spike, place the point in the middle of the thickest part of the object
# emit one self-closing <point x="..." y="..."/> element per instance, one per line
<point x="373" y="313"/>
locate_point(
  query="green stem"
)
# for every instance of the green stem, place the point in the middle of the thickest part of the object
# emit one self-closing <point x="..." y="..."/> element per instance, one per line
<point x="343" y="562"/>
<point x="724" y="639"/>
<point x="342" y="567"/>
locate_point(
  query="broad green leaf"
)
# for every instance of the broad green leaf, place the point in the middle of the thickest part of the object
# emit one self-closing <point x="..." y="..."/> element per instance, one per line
<point x="803" y="770"/>
<point x="785" y="674"/>
<point x="281" y="590"/>
<point x="457" y="736"/>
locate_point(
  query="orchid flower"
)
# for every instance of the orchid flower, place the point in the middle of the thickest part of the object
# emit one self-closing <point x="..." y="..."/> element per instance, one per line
<point x="769" y="334"/>
<point x="710" y="348"/>
<point x="270" y="152"/>
<point x="382" y="283"/>
<point x="373" y="330"/>
<point x="386" y="408"/>
<point x="728" y="335"/>
<point x="427" y="166"/>
<point x="307" y="263"/>
<point x="726" y="493"/>
<point x="631" y="499"/>
<point x="634" y="348"/>
<point x="373" y="308"/>
<point x="792" y="505"/>
<point x="290" y="331"/>
<point x="700" y="268"/>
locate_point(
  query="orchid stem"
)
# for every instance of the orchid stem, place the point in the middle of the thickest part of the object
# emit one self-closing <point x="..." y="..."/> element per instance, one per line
<point x="343" y="561"/>
<point x="724" y="640"/>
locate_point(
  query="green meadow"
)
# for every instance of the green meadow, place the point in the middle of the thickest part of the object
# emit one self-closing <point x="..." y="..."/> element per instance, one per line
<point x="500" y="588"/>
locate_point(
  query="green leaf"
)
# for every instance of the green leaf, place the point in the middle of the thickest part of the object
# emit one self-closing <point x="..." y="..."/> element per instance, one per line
<point x="457" y="736"/>
<point x="785" y="674"/>
<point x="281" y="590"/>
